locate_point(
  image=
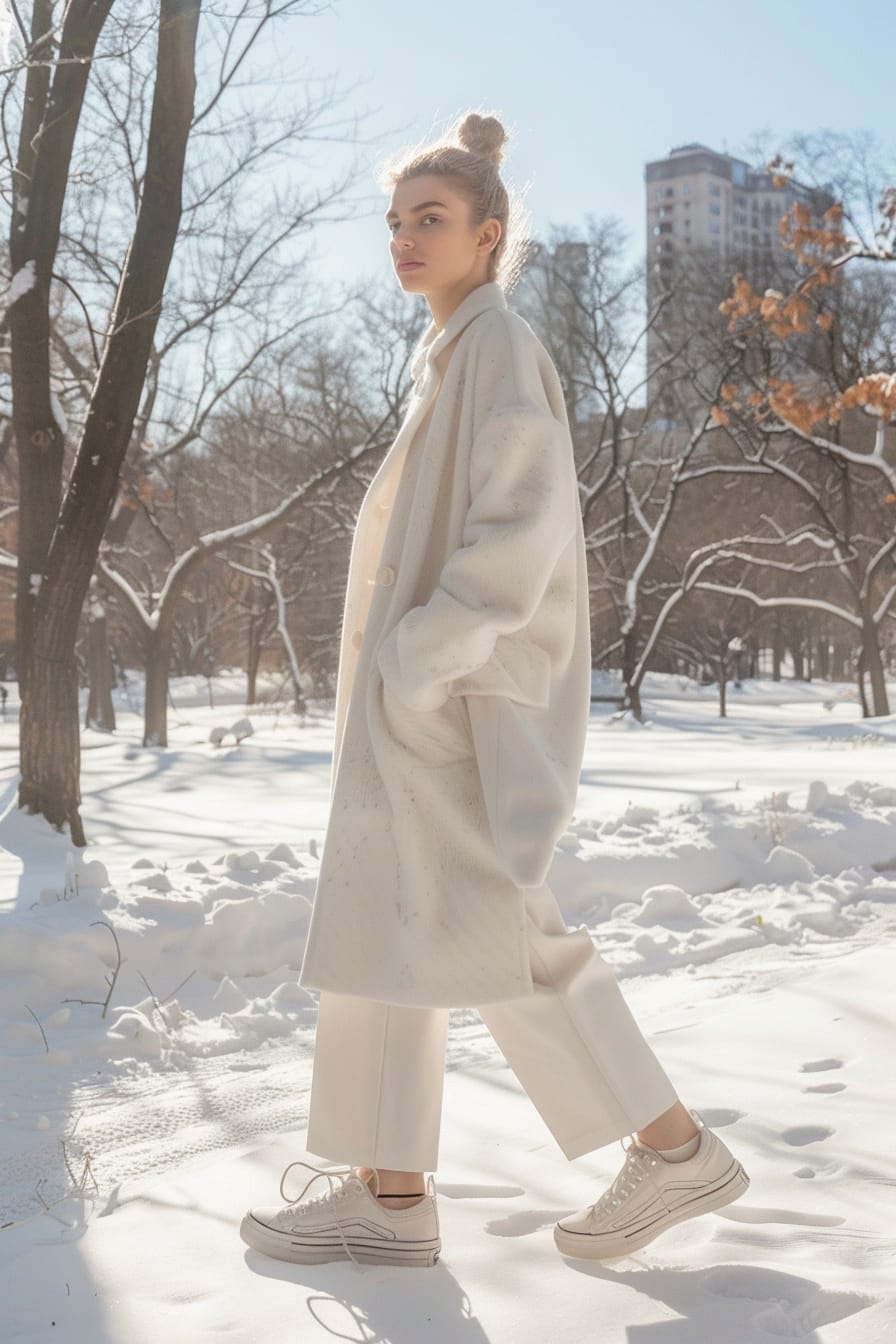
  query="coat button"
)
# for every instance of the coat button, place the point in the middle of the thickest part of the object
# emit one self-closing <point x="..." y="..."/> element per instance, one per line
<point x="386" y="575"/>
<point x="357" y="637"/>
<point x="383" y="506"/>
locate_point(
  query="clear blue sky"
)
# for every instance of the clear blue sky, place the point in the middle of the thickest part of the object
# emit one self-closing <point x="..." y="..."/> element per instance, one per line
<point x="589" y="92"/>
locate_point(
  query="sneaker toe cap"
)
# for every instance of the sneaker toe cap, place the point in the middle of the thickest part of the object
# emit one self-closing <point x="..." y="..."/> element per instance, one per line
<point x="270" y="1217"/>
<point x="576" y="1222"/>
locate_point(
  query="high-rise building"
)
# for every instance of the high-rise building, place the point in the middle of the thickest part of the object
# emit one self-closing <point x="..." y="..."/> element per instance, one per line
<point x="703" y="204"/>
<point x="698" y="198"/>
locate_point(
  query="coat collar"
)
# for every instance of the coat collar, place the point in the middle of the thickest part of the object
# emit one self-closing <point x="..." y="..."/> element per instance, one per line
<point x="434" y="341"/>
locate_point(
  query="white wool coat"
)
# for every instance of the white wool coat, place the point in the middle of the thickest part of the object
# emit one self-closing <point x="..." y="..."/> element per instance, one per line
<point x="464" y="680"/>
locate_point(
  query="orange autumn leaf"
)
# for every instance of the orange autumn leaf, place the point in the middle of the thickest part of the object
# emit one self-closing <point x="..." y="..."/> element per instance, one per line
<point x="877" y="392"/>
<point x="803" y="414"/>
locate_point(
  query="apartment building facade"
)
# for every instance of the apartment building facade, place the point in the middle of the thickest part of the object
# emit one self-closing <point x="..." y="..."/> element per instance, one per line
<point x="703" y="204"/>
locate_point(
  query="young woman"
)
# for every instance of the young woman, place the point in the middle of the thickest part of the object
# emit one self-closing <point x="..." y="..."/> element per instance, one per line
<point x="462" y="704"/>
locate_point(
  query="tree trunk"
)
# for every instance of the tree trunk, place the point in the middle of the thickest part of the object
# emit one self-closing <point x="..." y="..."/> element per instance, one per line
<point x="50" y="751"/>
<point x="47" y="624"/>
<point x="253" y="658"/>
<point x="100" y="674"/>
<point x="796" y="653"/>
<point x="823" y="657"/>
<point x="872" y="663"/>
<point x="629" y="662"/>
<point x="155" y="708"/>
<point x="860" y="680"/>
<point x="51" y="110"/>
<point x="777" y="648"/>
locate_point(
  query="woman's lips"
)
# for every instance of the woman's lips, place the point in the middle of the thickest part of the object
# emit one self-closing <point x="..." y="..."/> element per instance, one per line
<point x="408" y="265"/>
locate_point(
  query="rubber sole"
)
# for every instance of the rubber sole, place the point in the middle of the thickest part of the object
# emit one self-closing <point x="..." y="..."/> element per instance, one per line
<point x="282" y="1246"/>
<point x="585" y="1246"/>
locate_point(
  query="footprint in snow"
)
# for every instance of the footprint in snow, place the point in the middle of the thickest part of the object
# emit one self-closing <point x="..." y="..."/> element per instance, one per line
<point x="797" y="1135"/>
<point x="784" y="1305"/>
<point x="716" y="1117"/>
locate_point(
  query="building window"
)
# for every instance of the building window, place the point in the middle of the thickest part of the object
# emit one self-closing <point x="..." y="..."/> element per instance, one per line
<point x="715" y="189"/>
<point x="714" y="226"/>
<point x="686" y="189"/>
<point x="715" y="209"/>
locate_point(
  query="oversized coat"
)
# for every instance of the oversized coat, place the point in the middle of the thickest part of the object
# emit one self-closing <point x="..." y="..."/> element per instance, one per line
<point x="463" y="688"/>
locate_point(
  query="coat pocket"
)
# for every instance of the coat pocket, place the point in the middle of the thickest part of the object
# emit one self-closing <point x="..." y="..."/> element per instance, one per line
<point x="525" y="789"/>
<point x="518" y="669"/>
<point x="433" y="737"/>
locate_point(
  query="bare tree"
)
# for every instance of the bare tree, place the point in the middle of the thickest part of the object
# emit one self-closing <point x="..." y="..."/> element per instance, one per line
<point x="284" y="462"/>
<point x="60" y="537"/>
<point x="639" y="467"/>
<point x="110" y="362"/>
<point x="827" y="423"/>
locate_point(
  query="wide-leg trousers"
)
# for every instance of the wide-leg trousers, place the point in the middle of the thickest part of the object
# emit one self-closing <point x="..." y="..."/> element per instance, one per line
<point x="379" y="1068"/>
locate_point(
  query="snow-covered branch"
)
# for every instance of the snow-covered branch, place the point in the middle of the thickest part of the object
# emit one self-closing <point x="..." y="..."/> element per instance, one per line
<point x="816" y="603"/>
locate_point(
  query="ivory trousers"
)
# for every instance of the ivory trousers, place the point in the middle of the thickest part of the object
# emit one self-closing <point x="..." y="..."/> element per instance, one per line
<point x="379" y="1068"/>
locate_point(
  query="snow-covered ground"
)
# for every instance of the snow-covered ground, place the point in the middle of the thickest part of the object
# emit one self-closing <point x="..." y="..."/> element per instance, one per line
<point x="740" y="876"/>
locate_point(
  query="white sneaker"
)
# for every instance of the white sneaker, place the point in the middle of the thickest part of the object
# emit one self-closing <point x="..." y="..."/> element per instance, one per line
<point x="348" y="1222"/>
<point x="650" y="1194"/>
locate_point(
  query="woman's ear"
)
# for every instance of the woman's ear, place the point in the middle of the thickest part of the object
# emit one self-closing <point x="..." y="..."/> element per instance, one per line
<point x="490" y="234"/>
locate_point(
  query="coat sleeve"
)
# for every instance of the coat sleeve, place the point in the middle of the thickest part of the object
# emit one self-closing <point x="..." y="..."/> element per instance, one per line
<point x="523" y="512"/>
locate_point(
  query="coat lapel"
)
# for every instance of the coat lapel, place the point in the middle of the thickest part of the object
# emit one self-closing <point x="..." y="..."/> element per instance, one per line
<point x="434" y="341"/>
<point x="426" y="369"/>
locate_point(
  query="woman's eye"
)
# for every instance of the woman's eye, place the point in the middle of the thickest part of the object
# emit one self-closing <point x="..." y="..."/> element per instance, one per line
<point x="394" y="222"/>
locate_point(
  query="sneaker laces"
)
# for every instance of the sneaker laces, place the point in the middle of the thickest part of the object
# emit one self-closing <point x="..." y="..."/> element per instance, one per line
<point x="347" y="1182"/>
<point x="634" y="1169"/>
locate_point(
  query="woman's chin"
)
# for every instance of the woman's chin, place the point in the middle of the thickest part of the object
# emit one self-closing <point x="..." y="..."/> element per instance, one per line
<point x="414" y="278"/>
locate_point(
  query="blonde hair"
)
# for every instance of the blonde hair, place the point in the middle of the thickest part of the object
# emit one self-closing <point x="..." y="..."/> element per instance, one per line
<point x="470" y="153"/>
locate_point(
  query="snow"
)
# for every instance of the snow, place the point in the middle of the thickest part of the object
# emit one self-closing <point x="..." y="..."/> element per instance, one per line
<point x="739" y="875"/>
<point x="21" y="282"/>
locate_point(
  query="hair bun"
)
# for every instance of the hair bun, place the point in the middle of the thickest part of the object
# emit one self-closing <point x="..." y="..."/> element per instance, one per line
<point x="482" y="135"/>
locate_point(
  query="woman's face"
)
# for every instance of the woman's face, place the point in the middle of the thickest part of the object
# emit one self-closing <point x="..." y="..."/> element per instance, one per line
<point x="429" y="221"/>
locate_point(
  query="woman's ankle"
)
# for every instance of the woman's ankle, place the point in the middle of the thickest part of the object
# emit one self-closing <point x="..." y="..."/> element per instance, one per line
<point x="394" y="1189"/>
<point x="671" y="1129"/>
